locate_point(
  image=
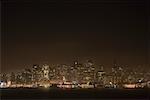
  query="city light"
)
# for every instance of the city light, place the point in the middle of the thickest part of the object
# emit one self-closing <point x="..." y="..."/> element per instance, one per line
<point x="130" y="85"/>
<point x="76" y="76"/>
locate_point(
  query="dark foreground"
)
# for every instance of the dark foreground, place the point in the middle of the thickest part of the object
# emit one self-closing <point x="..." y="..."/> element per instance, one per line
<point x="142" y="94"/>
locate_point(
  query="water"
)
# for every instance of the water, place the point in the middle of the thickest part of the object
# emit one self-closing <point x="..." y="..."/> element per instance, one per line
<point x="44" y="93"/>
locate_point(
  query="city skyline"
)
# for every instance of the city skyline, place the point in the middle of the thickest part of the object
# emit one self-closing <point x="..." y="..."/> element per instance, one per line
<point x="61" y="32"/>
<point x="83" y="75"/>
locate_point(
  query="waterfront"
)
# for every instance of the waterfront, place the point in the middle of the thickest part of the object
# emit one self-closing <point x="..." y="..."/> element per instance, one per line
<point x="47" y="93"/>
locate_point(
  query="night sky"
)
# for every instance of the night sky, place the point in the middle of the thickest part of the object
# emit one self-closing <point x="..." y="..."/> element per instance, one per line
<point x="61" y="32"/>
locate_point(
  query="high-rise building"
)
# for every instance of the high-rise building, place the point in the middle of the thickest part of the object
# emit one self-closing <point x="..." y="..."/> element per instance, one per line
<point x="45" y="69"/>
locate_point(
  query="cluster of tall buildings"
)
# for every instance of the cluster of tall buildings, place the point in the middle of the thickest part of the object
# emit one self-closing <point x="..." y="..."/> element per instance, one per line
<point x="77" y="72"/>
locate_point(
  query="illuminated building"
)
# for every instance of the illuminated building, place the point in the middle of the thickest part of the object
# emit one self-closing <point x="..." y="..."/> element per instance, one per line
<point x="3" y="84"/>
<point x="45" y="69"/>
<point x="36" y="73"/>
<point x="100" y="77"/>
<point x="90" y="71"/>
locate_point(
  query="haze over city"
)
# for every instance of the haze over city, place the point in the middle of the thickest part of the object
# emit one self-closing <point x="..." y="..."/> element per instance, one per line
<point x="60" y="32"/>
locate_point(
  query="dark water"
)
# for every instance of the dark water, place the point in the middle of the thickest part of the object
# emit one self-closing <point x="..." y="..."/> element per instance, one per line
<point x="142" y="94"/>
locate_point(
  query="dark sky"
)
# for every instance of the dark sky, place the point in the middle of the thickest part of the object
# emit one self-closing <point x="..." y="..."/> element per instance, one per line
<point x="60" y="32"/>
